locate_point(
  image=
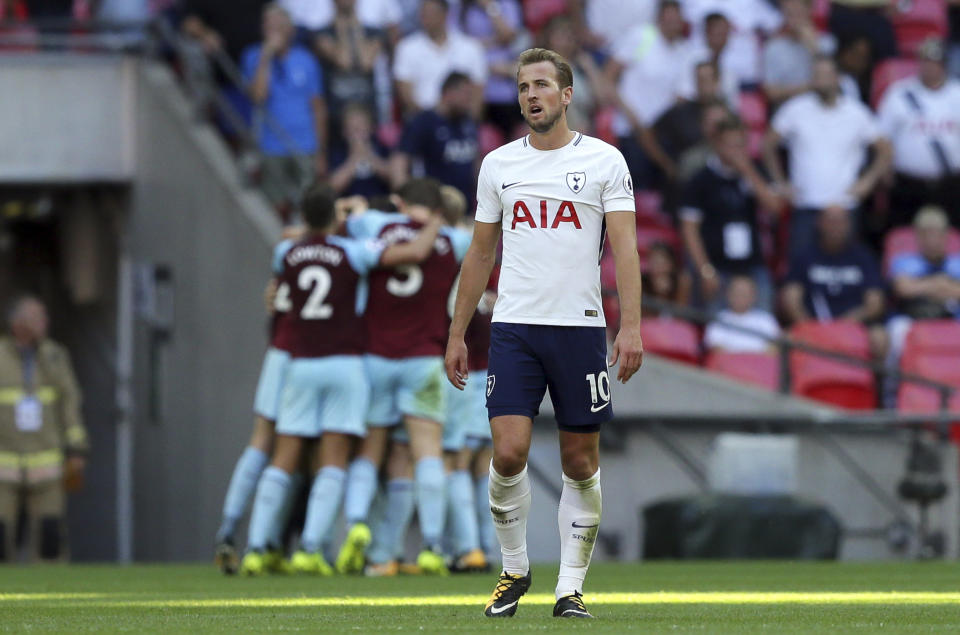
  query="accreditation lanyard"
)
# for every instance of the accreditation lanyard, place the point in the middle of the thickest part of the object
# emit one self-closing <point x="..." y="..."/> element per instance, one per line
<point x="28" y="413"/>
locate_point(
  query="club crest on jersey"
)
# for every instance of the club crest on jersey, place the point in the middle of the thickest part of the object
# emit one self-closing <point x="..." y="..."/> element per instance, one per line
<point x="576" y="181"/>
<point x="491" y="382"/>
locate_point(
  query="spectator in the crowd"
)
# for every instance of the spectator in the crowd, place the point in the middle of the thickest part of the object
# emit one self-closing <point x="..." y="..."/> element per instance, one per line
<point x="694" y="158"/>
<point x="926" y="283"/>
<point x="869" y="20"/>
<point x="742" y="327"/>
<point x="43" y="442"/>
<point x="855" y="64"/>
<point x="223" y="26"/>
<point x="348" y="51"/>
<point x="607" y="19"/>
<point x="827" y="135"/>
<point x="788" y="56"/>
<point x="359" y="164"/>
<point x="285" y="82"/>
<point x="716" y="36"/>
<point x="719" y="219"/>
<point x="425" y="59"/>
<point x="921" y="116"/>
<point x="678" y="129"/>
<point x="838" y="278"/>
<point x="749" y="19"/>
<point x="442" y="142"/>
<point x="590" y="86"/>
<point x="313" y="15"/>
<point x="497" y="24"/>
<point x="665" y="280"/>
<point x="644" y="68"/>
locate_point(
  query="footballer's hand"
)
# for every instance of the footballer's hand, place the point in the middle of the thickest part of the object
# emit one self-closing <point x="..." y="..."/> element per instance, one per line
<point x="628" y="350"/>
<point x="455" y="362"/>
<point x="270" y="296"/>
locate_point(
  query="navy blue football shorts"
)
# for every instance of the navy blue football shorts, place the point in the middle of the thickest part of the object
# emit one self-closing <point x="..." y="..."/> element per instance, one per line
<point x="526" y="359"/>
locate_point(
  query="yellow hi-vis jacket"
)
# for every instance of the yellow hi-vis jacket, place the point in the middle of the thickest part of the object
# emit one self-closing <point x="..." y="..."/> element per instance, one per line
<point x="32" y="449"/>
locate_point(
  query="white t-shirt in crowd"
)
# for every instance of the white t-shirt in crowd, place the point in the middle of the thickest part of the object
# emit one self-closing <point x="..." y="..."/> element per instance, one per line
<point x="551" y="204"/>
<point x="609" y="18"/>
<point x="748" y="18"/>
<point x="420" y="61"/>
<point x="827" y="147"/>
<point x="650" y="82"/>
<point x="913" y="117"/>
<point x="317" y="14"/>
<point x="719" y="333"/>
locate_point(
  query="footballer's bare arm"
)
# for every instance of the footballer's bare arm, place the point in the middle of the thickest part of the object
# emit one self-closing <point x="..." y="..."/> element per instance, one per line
<point x="474" y="276"/>
<point x="628" y="346"/>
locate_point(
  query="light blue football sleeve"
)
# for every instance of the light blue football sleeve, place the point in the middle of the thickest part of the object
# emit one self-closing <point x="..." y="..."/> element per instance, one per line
<point x="460" y="240"/>
<point x="279" y="252"/>
<point x="371" y="223"/>
<point x="363" y="255"/>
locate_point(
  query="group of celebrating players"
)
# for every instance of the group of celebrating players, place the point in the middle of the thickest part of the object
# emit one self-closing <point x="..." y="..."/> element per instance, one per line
<point x="367" y="394"/>
<point x="352" y="388"/>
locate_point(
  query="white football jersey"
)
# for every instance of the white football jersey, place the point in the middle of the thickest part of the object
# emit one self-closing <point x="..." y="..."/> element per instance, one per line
<point x="551" y="204"/>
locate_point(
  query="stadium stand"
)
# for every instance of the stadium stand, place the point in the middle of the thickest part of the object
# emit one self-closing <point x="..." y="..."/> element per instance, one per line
<point x="917" y="20"/>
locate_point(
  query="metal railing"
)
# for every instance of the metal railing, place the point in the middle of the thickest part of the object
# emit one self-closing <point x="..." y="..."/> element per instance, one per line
<point x="786" y="345"/>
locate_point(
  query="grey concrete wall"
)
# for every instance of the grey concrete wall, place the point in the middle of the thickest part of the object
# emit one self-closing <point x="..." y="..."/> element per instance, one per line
<point x="641" y="472"/>
<point x="68" y="118"/>
<point x="190" y="213"/>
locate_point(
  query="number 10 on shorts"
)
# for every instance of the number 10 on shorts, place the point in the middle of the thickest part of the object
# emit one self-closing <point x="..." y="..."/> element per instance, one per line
<point x="599" y="390"/>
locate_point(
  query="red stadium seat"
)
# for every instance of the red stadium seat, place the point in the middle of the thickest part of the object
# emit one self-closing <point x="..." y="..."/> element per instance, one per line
<point x="647" y="236"/>
<point x="916" y="398"/>
<point x="650" y="209"/>
<point x="490" y="138"/>
<point x="940" y="338"/>
<point x="886" y="73"/>
<point x="603" y="125"/>
<point x="536" y="13"/>
<point x="753" y="110"/>
<point x="917" y="20"/>
<point x="760" y="369"/>
<point x="675" y="339"/>
<point x="389" y="134"/>
<point x="821" y="14"/>
<point x="829" y="380"/>
<point x="903" y="240"/>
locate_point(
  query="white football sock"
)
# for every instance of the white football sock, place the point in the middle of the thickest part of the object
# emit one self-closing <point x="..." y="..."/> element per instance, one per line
<point x="510" y="506"/>
<point x="578" y="519"/>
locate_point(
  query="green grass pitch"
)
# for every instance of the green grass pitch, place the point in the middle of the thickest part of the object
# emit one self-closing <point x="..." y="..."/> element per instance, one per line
<point x="728" y="597"/>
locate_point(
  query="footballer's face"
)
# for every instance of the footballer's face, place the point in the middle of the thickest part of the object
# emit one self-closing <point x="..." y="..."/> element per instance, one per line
<point x="542" y="101"/>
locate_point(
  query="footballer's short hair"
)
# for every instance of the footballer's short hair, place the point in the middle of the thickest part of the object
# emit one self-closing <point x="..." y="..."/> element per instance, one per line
<point x="454" y="204"/>
<point x="536" y="55"/>
<point x="318" y="205"/>
<point x="422" y="191"/>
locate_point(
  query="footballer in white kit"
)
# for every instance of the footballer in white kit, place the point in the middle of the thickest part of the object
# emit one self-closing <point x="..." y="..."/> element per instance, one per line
<point x="553" y="195"/>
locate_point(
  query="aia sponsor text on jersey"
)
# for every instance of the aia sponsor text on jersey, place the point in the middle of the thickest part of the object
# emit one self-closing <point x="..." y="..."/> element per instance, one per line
<point x="565" y="212"/>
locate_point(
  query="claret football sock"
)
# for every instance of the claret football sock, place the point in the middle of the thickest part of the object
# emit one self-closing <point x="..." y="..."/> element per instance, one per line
<point x="267" y="505"/>
<point x="510" y="498"/>
<point x="461" y="513"/>
<point x="243" y="483"/>
<point x="361" y="488"/>
<point x="431" y="499"/>
<point x="578" y="519"/>
<point x="325" y="495"/>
